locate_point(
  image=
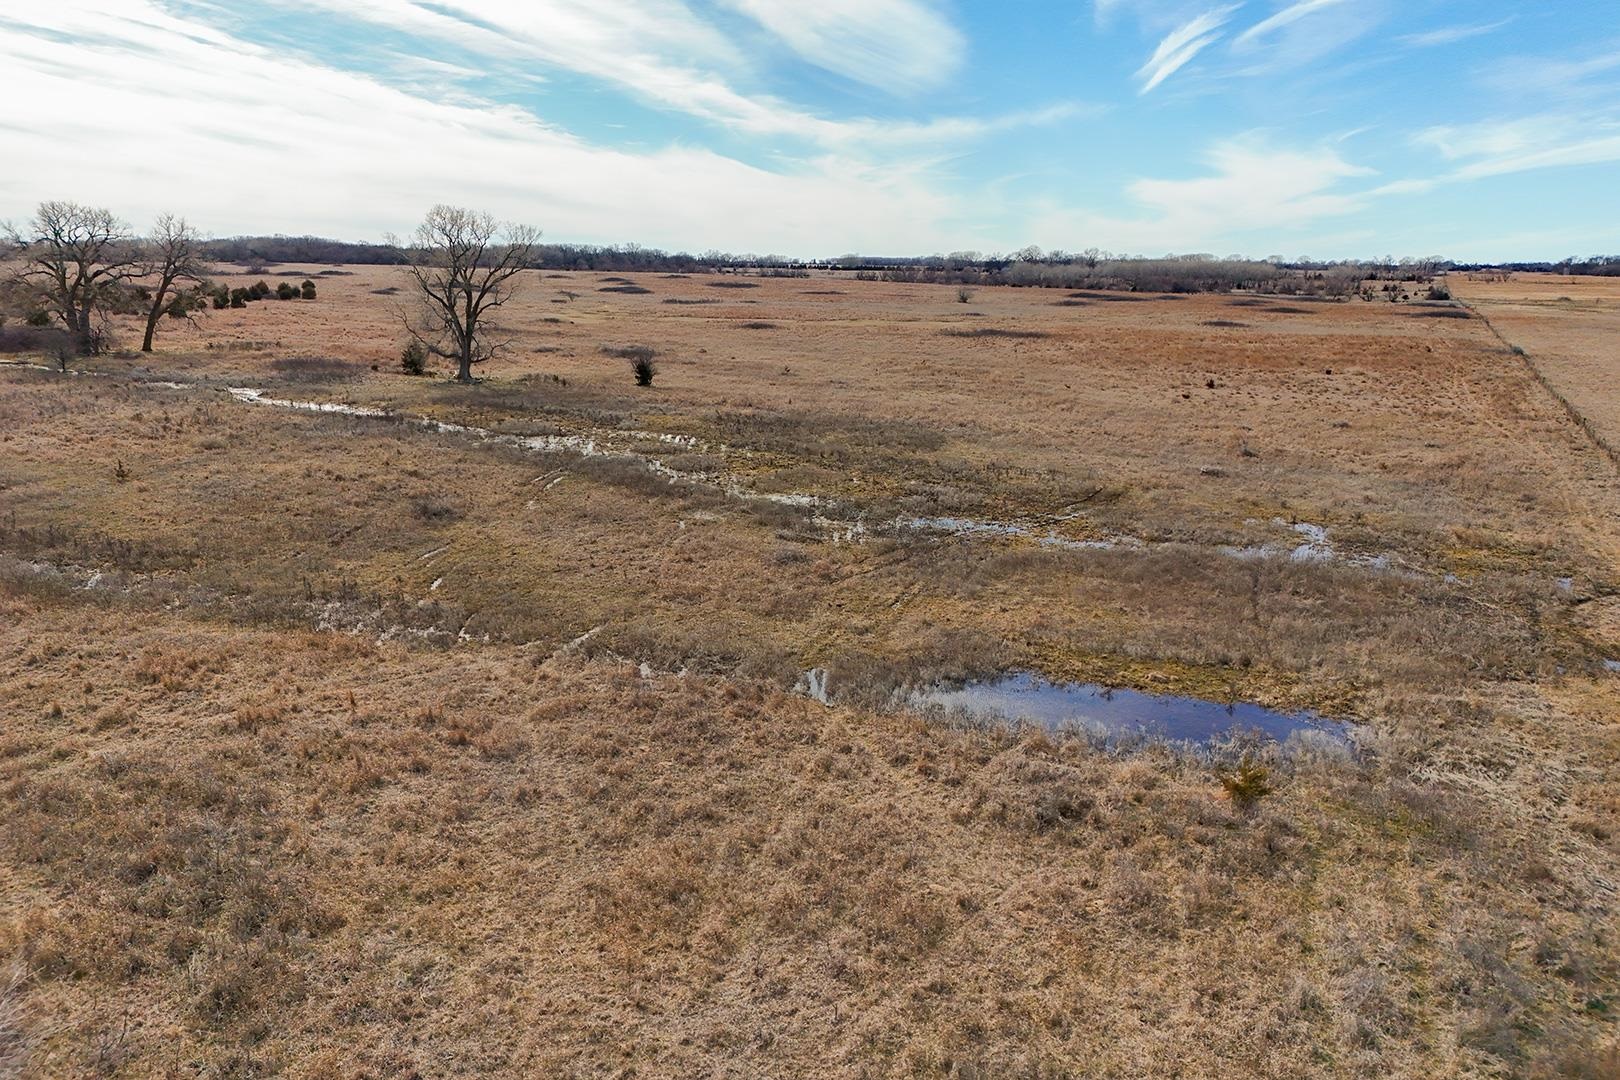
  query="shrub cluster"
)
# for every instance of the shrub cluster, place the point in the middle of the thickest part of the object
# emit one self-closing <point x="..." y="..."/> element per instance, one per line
<point x="223" y="296"/>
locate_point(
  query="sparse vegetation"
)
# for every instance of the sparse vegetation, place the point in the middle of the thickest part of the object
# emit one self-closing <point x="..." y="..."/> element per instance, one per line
<point x="315" y="368"/>
<point x="995" y="332"/>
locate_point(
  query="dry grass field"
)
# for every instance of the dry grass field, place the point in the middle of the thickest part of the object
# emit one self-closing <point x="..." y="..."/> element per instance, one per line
<point x="450" y="730"/>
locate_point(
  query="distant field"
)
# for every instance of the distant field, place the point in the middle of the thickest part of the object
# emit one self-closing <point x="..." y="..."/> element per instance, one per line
<point x="345" y="744"/>
<point x="1570" y="327"/>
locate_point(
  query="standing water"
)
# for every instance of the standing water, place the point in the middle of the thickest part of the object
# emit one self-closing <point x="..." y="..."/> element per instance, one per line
<point x="1024" y="696"/>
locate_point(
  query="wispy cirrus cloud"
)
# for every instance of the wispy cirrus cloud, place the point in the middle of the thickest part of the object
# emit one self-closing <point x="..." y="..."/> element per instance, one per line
<point x="1104" y="10"/>
<point x="897" y="45"/>
<point x="1448" y="35"/>
<point x="663" y="54"/>
<point x="1566" y="77"/>
<point x="1289" y="15"/>
<point x="1508" y="145"/>
<point x="1549" y="140"/>
<point x="1180" y="45"/>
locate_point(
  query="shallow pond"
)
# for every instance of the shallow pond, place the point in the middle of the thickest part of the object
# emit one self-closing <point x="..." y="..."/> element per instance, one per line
<point x="1023" y="696"/>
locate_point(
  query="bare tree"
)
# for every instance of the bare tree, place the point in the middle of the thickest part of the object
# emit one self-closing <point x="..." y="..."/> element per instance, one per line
<point x="75" y="261"/>
<point x="463" y="263"/>
<point x="174" y="255"/>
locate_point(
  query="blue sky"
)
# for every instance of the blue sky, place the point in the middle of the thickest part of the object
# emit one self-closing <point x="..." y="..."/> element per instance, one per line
<point x="1470" y="129"/>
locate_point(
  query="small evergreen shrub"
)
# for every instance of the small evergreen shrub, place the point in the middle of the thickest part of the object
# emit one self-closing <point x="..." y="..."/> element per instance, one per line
<point x="1247" y="784"/>
<point x="413" y="361"/>
<point x="308" y="289"/>
<point x="644" y="369"/>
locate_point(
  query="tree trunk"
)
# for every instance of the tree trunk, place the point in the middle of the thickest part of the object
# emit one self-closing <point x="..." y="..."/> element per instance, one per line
<point x="464" y="371"/>
<point x="81" y="331"/>
<point x="151" y="326"/>
<point x="165" y="283"/>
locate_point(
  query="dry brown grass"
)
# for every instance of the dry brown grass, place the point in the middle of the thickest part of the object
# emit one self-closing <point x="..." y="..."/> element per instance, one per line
<point x="318" y="854"/>
<point x="327" y="753"/>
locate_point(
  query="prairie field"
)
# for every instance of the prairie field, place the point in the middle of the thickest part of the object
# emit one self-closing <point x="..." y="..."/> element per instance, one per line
<point x="367" y="725"/>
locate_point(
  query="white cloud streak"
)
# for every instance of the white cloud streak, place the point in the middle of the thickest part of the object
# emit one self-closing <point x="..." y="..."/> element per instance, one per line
<point x="898" y="45"/>
<point x="1182" y="44"/>
<point x="1286" y="17"/>
<point x="1499" y="147"/>
<point x="1449" y="35"/>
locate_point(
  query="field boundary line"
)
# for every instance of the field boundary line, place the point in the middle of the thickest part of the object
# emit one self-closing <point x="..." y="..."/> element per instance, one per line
<point x="1579" y="418"/>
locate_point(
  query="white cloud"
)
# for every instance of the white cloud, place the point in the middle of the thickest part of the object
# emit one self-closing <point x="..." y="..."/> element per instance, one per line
<point x="899" y="45"/>
<point x="1448" y="35"/>
<point x="1104" y="10"/>
<point x="662" y="53"/>
<point x="1253" y="185"/>
<point x="1556" y="78"/>
<point x="1182" y="44"/>
<point x="1498" y="147"/>
<point x="249" y="140"/>
<point x="1286" y="17"/>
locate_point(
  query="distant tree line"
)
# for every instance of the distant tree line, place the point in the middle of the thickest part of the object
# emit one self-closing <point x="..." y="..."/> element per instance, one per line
<point x="1592" y="266"/>
<point x="268" y="250"/>
<point x="75" y="265"/>
<point x="1089" y="269"/>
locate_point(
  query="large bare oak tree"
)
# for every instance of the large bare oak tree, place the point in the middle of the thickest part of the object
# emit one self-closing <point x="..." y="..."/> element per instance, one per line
<point x="464" y="265"/>
<point x="76" y="259"/>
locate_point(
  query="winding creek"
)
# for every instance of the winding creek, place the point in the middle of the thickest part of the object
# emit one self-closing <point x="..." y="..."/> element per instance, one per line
<point x="1021" y="697"/>
<point x="834" y="521"/>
